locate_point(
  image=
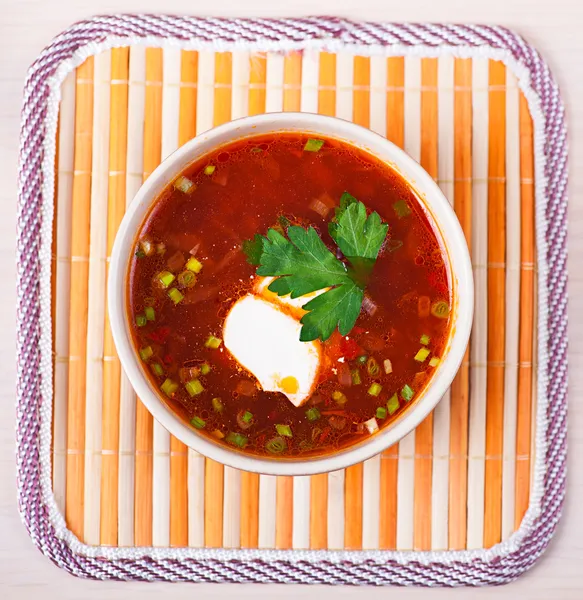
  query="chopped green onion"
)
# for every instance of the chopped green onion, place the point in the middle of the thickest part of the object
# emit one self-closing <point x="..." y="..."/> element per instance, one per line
<point x="149" y="301"/>
<point x="422" y="354"/>
<point x="150" y="313"/>
<point x="313" y="414"/>
<point x="198" y="422"/>
<point x="381" y="413"/>
<point x="175" y="295"/>
<point x="139" y="253"/>
<point x="440" y="309"/>
<point x="355" y="374"/>
<point x="407" y="393"/>
<point x="247" y="417"/>
<point x="362" y="359"/>
<point x="284" y="430"/>
<point x="194" y="265"/>
<point x="157" y="368"/>
<point x="217" y="405"/>
<point x="213" y="342"/>
<point x="186" y="279"/>
<point x="218" y="434"/>
<point x="165" y="278"/>
<point x="205" y="369"/>
<point x="141" y="320"/>
<point x="184" y="185"/>
<point x="276" y="445"/>
<point x="209" y="169"/>
<point x="393" y="404"/>
<point x="169" y="387"/>
<point x="424" y="339"/>
<point x="313" y="145"/>
<point x="256" y="150"/>
<point x="237" y="439"/>
<point x="388" y="366"/>
<point x="375" y="389"/>
<point x="146" y="353"/>
<point x="372" y="366"/>
<point x="401" y="208"/>
<point x="434" y="361"/>
<point x="194" y="388"/>
<point x="339" y="397"/>
<point x="372" y="425"/>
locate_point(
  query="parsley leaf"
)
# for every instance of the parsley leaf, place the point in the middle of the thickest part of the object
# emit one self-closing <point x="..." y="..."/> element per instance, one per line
<point x="303" y="264"/>
<point x="253" y="249"/>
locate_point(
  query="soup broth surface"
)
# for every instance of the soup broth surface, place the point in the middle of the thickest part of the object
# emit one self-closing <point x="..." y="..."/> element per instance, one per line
<point x="229" y="196"/>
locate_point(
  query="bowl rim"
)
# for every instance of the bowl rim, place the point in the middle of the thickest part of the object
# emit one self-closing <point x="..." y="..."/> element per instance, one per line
<point x="431" y="197"/>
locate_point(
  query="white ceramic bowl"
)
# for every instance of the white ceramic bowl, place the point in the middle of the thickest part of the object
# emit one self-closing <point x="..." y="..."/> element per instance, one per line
<point x="434" y="201"/>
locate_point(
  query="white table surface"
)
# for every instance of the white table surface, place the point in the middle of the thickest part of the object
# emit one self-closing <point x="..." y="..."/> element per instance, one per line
<point x="26" y="26"/>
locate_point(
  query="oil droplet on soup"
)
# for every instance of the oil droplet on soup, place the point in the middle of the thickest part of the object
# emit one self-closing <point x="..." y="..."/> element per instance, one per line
<point x="248" y="384"/>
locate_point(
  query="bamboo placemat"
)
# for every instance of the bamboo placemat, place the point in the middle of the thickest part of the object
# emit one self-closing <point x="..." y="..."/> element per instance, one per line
<point x="467" y="477"/>
<point x="462" y="479"/>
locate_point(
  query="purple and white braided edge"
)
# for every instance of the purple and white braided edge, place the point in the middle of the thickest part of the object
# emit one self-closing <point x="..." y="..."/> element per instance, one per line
<point x="319" y="567"/>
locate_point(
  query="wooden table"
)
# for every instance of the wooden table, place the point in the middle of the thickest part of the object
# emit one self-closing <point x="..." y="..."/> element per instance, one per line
<point x="26" y="26"/>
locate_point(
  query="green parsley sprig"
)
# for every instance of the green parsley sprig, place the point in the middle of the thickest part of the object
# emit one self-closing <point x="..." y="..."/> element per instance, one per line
<point x="302" y="264"/>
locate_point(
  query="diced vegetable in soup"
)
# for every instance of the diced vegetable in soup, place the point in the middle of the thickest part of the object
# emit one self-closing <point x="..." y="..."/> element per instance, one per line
<point x="290" y="296"/>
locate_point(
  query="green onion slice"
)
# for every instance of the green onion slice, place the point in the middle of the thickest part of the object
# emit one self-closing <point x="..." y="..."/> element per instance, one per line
<point x="434" y="361"/>
<point x="217" y="405"/>
<point x="193" y="264"/>
<point x="313" y="414"/>
<point x="247" y="417"/>
<point x="375" y="389"/>
<point x="165" y="278"/>
<point x="184" y="185"/>
<point x="277" y="445"/>
<point x="213" y="342"/>
<point x="440" y="309"/>
<point x="339" y="398"/>
<point x="175" y="295"/>
<point x="194" y="388"/>
<point x="169" y="387"/>
<point x="150" y="313"/>
<point x="362" y="359"/>
<point x="205" y="369"/>
<point x="186" y="279"/>
<point x="407" y="393"/>
<point x="424" y="339"/>
<point x="313" y="145"/>
<point x="381" y="413"/>
<point x="355" y="374"/>
<point x="393" y="404"/>
<point x="146" y="353"/>
<point x="198" y="422"/>
<point x="209" y="169"/>
<point x="372" y="367"/>
<point x="422" y="354"/>
<point x="237" y="439"/>
<point x="141" y="320"/>
<point x="157" y="368"/>
<point x="284" y="430"/>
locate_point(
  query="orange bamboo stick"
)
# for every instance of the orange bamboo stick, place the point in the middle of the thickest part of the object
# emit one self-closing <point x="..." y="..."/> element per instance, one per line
<point x="214" y="471"/>
<point x="250" y="481"/>
<point x="496" y="304"/>
<point x="284" y="512"/>
<point x="389" y="459"/>
<point x="319" y="483"/>
<point x="327" y="84"/>
<point x="144" y="423"/>
<point x="292" y="80"/>
<point x="74" y="512"/>
<point x="424" y="432"/>
<point x="257" y="79"/>
<point x="526" y="333"/>
<point x="178" y="450"/>
<point x="354" y="475"/>
<point x="111" y="366"/>
<point x="460" y="388"/>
